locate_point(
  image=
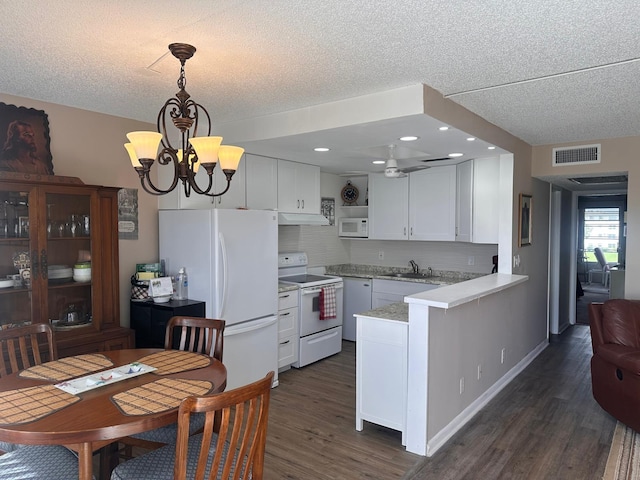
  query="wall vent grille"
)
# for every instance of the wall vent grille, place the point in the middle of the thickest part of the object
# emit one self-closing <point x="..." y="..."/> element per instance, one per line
<point x="576" y="155"/>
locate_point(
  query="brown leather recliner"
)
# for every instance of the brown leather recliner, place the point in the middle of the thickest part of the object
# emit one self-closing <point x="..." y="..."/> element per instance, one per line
<point x="615" y="365"/>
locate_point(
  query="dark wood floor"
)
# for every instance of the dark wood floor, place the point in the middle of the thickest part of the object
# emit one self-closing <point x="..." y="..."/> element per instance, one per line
<point x="544" y="425"/>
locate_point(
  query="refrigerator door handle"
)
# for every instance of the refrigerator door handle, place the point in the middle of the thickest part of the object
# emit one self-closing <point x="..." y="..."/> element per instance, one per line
<point x="223" y="251"/>
<point x="251" y="326"/>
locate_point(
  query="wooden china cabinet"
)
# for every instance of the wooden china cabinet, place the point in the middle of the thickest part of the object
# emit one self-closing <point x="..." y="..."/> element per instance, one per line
<point x="49" y="224"/>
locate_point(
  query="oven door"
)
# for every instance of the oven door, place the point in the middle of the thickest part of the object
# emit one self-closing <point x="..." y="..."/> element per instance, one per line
<point x="310" y="310"/>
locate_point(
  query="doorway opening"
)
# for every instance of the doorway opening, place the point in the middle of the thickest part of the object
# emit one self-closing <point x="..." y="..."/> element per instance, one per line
<point x="601" y="226"/>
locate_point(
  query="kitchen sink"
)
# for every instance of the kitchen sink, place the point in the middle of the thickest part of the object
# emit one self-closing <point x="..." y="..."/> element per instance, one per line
<point x="408" y="275"/>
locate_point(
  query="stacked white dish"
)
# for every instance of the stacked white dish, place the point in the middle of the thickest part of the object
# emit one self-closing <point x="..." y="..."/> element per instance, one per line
<point x="60" y="272"/>
<point x="162" y="298"/>
<point x="82" y="272"/>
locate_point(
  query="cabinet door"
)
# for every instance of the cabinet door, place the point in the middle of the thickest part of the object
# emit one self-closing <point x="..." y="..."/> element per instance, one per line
<point x="236" y="195"/>
<point x="388" y="207"/>
<point x="308" y="187"/>
<point x="177" y="199"/>
<point x="261" y="182"/>
<point x="432" y="204"/>
<point x="464" y="202"/>
<point x="20" y="302"/>
<point x="72" y="237"/>
<point x="357" y="299"/>
<point x="288" y="200"/>
<point x="486" y="195"/>
<point x="298" y="187"/>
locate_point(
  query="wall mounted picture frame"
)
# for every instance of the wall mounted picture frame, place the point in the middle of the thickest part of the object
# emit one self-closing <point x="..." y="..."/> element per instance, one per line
<point x="525" y="224"/>
<point x="25" y="144"/>
<point x="328" y="209"/>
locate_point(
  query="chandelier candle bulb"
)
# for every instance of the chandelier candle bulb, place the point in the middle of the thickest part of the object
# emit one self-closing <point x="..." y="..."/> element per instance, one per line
<point x="206" y="148"/>
<point x="229" y="157"/>
<point x="145" y="144"/>
<point x="132" y="155"/>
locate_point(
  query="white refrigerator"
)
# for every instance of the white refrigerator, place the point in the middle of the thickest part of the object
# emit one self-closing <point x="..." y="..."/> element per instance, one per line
<point x="231" y="257"/>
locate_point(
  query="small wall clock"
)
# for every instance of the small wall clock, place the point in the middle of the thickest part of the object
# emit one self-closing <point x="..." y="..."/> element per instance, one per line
<point x="350" y="194"/>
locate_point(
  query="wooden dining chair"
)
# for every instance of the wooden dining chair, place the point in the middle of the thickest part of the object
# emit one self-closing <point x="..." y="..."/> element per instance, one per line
<point x="200" y="335"/>
<point x="24" y="347"/>
<point x="236" y="451"/>
<point x="193" y="334"/>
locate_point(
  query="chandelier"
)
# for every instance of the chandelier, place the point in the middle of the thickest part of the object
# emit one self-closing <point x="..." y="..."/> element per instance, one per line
<point x="192" y="152"/>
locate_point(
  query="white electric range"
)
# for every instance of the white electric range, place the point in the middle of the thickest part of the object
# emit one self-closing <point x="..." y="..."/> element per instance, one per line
<point x="318" y="338"/>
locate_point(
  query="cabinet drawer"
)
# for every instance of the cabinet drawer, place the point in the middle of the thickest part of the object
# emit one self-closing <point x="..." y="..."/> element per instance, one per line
<point x="287" y="351"/>
<point x="287" y="299"/>
<point x="288" y="322"/>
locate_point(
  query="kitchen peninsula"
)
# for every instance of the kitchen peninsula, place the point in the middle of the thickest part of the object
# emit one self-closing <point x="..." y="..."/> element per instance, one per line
<point x="450" y="349"/>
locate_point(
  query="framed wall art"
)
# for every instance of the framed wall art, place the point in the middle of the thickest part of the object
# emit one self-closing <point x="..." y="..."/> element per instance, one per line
<point x="24" y="140"/>
<point x="525" y="225"/>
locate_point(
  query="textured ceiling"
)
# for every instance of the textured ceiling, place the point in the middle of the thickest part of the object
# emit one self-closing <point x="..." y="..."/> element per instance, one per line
<point x="545" y="71"/>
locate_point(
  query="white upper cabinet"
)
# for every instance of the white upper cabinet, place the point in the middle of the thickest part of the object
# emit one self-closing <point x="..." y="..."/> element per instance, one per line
<point x="388" y="207"/>
<point x="418" y="207"/>
<point x="298" y="187"/>
<point x="432" y="204"/>
<point x="262" y="182"/>
<point x="234" y="198"/>
<point x="477" y="200"/>
<point x="464" y="204"/>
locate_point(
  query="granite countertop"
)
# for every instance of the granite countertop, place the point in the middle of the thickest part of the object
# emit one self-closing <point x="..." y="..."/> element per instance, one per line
<point x="439" y="277"/>
<point x="286" y="287"/>
<point x="398" y="312"/>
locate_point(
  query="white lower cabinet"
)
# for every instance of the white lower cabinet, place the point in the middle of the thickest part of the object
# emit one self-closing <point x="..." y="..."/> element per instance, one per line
<point x="382" y="373"/>
<point x="386" y="292"/>
<point x="357" y="299"/>
<point x="288" y="335"/>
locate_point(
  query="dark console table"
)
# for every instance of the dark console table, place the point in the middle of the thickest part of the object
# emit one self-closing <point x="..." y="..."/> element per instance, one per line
<point x="149" y="319"/>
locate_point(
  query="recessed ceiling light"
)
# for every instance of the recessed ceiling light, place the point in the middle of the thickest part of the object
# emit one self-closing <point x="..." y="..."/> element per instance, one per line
<point x="491" y="148"/>
<point x="378" y="162"/>
<point x="471" y="139"/>
<point x="409" y="138"/>
<point x="444" y="128"/>
<point x="454" y="155"/>
<point x="321" y="149"/>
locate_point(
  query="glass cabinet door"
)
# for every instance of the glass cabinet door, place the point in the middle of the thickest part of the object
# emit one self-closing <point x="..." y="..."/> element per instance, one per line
<point x="67" y="259"/>
<point x="17" y="305"/>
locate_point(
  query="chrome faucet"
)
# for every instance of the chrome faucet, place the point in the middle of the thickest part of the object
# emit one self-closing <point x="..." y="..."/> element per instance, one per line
<point x="429" y="272"/>
<point x="414" y="265"/>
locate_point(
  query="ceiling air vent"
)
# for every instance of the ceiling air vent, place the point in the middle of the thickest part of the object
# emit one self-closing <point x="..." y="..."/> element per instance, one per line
<point x="606" y="180"/>
<point x="576" y="155"/>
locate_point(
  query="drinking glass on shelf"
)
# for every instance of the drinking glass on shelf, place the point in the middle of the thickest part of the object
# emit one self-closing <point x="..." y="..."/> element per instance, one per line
<point x="4" y="221"/>
<point x="75" y="226"/>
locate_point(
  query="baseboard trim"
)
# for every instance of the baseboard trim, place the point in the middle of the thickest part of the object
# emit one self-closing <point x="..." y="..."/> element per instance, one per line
<point x="440" y="438"/>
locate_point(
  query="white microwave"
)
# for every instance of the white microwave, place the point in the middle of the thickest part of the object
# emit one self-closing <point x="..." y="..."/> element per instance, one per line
<point x="353" y="227"/>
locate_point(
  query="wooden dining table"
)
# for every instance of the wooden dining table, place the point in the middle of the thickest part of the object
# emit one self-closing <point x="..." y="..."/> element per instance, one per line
<point x="95" y="421"/>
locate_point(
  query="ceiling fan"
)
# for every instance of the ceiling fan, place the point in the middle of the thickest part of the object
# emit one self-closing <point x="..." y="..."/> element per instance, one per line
<point x="393" y="171"/>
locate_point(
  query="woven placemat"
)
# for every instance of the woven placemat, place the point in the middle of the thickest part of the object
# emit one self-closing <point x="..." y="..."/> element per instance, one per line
<point x="174" y="361"/>
<point x="158" y="396"/>
<point x="32" y="403"/>
<point x="66" y="368"/>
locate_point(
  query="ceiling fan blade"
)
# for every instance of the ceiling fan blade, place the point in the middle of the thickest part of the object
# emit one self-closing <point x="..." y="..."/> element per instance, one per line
<point x="415" y="169"/>
<point x="435" y="159"/>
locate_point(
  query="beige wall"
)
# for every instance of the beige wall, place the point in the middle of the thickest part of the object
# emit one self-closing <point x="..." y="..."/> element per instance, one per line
<point x="618" y="155"/>
<point x="89" y="145"/>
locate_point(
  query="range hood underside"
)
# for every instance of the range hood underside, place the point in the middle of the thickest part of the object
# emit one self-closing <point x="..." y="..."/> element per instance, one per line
<point x="302" y="219"/>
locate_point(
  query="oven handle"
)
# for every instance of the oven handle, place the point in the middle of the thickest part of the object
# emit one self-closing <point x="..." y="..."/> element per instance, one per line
<point x="313" y="291"/>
